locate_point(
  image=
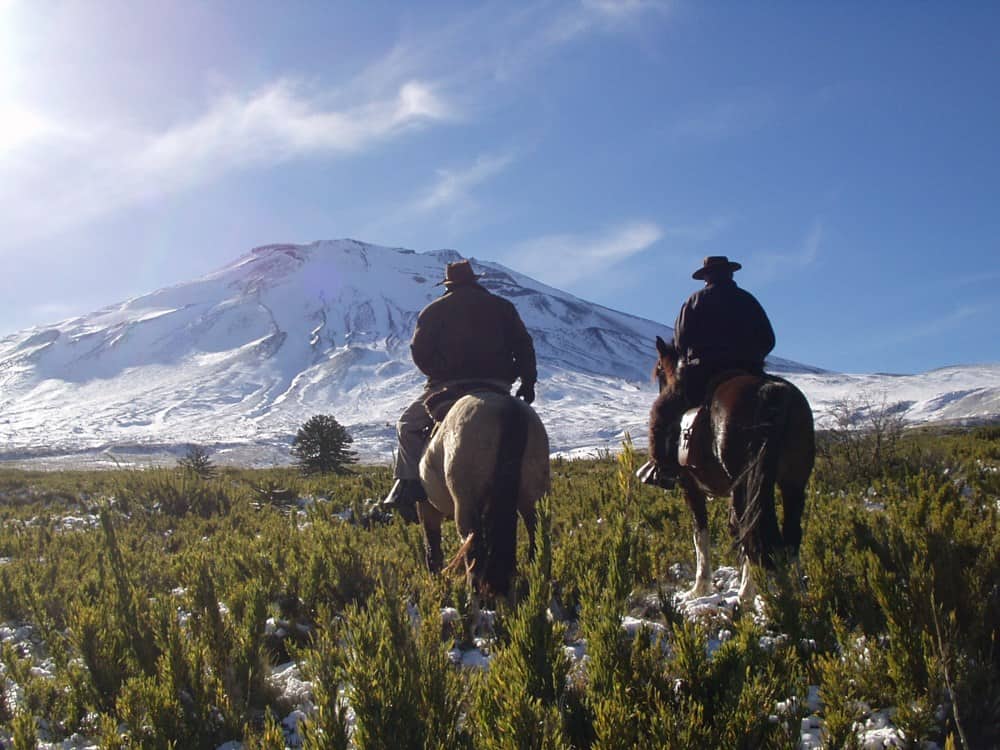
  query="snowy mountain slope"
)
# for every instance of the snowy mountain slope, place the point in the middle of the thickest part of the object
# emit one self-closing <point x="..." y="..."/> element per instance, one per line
<point x="970" y="393"/>
<point x="247" y="353"/>
<point x="241" y="357"/>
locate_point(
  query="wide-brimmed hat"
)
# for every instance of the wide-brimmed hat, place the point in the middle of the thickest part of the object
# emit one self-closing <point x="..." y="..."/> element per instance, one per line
<point x="459" y="272"/>
<point x="714" y="263"/>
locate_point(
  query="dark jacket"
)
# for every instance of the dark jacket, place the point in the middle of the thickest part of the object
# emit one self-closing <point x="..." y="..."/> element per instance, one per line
<point x="471" y="334"/>
<point x="722" y="325"/>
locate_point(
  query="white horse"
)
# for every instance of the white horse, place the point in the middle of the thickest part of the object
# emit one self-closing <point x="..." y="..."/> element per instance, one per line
<point x="486" y="462"/>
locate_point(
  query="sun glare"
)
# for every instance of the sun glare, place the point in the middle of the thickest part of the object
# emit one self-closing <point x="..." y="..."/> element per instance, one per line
<point x="18" y="126"/>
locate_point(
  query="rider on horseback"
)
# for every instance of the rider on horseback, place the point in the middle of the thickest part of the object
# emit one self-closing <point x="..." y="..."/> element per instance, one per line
<point x="720" y="328"/>
<point x="468" y="336"/>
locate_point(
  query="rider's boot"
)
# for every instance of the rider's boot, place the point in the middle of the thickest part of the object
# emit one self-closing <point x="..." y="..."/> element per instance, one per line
<point x="403" y="497"/>
<point x="669" y="467"/>
<point x="662" y="471"/>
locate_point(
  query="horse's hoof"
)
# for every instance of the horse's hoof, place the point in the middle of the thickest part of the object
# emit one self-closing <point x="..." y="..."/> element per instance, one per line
<point x="697" y="591"/>
<point x="646" y="472"/>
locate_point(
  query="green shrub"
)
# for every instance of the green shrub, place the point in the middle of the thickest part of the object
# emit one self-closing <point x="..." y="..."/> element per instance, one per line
<point x="322" y="446"/>
<point x="402" y="688"/>
<point x="152" y="607"/>
<point x="517" y="702"/>
<point x="198" y="460"/>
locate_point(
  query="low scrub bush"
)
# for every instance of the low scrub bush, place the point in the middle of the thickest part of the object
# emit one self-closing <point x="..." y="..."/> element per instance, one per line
<point x="159" y="602"/>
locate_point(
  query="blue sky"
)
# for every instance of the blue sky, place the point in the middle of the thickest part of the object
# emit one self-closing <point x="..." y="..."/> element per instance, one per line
<point x="846" y="153"/>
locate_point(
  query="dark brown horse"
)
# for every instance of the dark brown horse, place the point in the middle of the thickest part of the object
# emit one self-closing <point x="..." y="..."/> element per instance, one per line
<point x="755" y="432"/>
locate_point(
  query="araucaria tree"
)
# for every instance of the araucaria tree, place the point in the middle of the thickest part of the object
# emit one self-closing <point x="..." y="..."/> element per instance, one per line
<point x="198" y="460"/>
<point x="322" y="446"/>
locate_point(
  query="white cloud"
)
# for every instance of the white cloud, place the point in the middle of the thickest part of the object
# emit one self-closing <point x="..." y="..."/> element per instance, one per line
<point x="19" y="126"/>
<point x="511" y="44"/>
<point x="590" y="16"/>
<point x="83" y="172"/>
<point x="626" y="8"/>
<point x="454" y="185"/>
<point x="277" y="124"/>
<point x="450" y="198"/>
<point x="769" y="266"/>
<point x="57" y="174"/>
<point x="564" y="259"/>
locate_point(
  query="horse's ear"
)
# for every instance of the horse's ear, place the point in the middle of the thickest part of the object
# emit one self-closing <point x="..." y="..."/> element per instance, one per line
<point x="663" y="347"/>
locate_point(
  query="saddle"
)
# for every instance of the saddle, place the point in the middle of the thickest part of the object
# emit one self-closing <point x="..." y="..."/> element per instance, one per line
<point x="695" y="446"/>
<point x="694" y="436"/>
<point x="439" y="402"/>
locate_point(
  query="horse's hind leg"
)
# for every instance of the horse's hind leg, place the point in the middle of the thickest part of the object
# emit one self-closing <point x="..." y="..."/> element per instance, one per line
<point x="748" y="588"/>
<point x="430" y="519"/>
<point x="793" y="503"/>
<point x="530" y="522"/>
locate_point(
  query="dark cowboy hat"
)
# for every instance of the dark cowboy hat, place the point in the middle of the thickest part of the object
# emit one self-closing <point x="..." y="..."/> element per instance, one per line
<point x="714" y="263"/>
<point x="460" y="272"/>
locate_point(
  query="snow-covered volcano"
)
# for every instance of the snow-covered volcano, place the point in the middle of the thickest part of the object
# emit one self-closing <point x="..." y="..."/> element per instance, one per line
<point x="246" y="354"/>
<point x="240" y="358"/>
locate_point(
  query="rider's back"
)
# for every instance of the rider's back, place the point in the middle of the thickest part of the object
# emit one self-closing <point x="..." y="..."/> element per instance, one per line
<point x="470" y="334"/>
<point x="723" y="324"/>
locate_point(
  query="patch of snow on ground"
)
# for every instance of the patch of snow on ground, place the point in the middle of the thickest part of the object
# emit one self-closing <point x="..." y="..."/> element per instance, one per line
<point x="287" y="680"/>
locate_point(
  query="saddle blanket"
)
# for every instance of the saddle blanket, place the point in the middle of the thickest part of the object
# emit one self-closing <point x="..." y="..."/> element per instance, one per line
<point x="440" y="401"/>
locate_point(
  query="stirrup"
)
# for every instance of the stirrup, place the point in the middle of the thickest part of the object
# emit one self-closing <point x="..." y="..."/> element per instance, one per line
<point x="651" y="474"/>
<point x="403" y="497"/>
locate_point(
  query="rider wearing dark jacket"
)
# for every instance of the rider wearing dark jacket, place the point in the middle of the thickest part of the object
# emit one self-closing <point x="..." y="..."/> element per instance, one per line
<point x="720" y="328"/>
<point x="470" y="334"/>
<point x="467" y="335"/>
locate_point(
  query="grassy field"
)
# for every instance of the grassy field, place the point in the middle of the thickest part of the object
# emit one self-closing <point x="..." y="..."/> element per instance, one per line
<point x="148" y="609"/>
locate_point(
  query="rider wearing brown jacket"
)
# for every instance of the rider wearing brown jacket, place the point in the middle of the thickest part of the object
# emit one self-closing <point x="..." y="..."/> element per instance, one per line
<point x="467" y="335"/>
<point x="720" y="328"/>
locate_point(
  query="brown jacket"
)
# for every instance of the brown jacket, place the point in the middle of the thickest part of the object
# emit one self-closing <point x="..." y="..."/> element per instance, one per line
<point x="469" y="333"/>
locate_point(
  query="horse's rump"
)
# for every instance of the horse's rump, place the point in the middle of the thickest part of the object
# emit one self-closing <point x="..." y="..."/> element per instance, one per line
<point x="494" y="549"/>
<point x="474" y="468"/>
<point x="766" y="438"/>
<point x="748" y="410"/>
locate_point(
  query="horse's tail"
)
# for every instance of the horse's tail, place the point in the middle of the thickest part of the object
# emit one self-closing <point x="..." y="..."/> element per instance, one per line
<point x="493" y="551"/>
<point x="758" y="525"/>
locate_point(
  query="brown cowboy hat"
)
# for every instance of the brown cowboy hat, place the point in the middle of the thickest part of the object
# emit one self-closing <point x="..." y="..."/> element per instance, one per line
<point x="459" y="272"/>
<point x="715" y="263"/>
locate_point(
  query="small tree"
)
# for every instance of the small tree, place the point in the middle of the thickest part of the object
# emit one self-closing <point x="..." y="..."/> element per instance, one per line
<point x="198" y="460"/>
<point x="862" y="443"/>
<point x="321" y="446"/>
